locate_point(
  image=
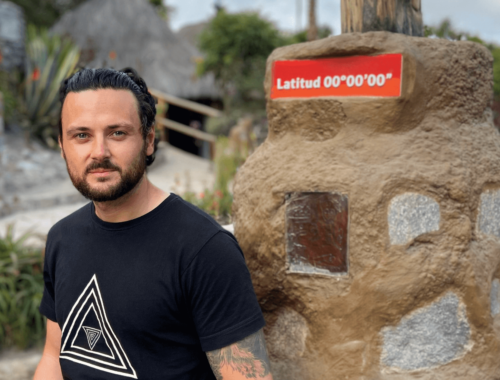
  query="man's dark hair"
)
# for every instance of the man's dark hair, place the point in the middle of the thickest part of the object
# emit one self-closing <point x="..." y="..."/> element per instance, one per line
<point x="128" y="79"/>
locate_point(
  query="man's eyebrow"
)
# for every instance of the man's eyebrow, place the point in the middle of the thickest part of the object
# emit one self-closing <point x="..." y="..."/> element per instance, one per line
<point x="74" y="130"/>
<point x="120" y="125"/>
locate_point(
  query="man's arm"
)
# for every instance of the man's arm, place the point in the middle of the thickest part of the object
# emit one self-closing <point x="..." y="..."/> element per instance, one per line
<point x="49" y="367"/>
<point x="246" y="359"/>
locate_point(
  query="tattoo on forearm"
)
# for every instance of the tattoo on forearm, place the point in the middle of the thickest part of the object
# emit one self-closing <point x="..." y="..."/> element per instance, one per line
<point x="248" y="357"/>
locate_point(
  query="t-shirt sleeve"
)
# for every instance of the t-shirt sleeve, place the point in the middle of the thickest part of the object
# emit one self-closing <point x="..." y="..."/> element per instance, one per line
<point x="220" y="294"/>
<point x="47" y="306"/>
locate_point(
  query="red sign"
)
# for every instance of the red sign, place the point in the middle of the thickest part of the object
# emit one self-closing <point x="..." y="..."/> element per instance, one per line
<point x="360" y="76"/>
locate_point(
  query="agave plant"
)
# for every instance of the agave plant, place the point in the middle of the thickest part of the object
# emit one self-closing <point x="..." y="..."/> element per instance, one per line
<point x="49" y="60"/>
<point x="21" y="289"/>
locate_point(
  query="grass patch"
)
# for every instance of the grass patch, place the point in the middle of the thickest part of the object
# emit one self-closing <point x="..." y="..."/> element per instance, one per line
<point x="21" y="289"/>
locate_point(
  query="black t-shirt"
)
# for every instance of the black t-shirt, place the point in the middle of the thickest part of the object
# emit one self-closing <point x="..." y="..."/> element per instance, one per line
<point x="146" y="298"/>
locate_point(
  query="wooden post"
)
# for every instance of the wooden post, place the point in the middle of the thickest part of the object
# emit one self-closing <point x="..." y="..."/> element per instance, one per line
<point x="312" y="31"/>
<point x="397" y="16"/>
<point x="160" y="112"/>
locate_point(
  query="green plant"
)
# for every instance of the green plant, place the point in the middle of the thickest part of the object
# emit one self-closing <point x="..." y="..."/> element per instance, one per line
<point x="21" y="289"/>
<point x="219" y="200"/>
<point x="8" y="89"/>
<point x="296" y="38"/>
<point x="50" y="59"/>
<point x="46" y="12"/>
<point x="496" y="71"/>
<point x="236" y="46"/>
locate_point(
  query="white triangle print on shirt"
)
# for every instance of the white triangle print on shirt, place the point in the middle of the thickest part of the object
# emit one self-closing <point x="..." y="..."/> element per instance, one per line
<point x="89" y="339"/>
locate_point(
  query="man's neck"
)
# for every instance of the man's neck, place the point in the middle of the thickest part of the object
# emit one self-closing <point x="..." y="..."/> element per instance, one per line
<point x="144" y="198"/>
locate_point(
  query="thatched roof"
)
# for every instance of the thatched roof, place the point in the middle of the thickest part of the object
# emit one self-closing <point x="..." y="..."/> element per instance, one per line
<point x="120" y="33"/>
<point x="191" y="32"/>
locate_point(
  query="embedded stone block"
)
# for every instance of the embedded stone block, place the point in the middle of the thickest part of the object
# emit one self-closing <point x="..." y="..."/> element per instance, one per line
<point x="428" y="337"/>
<point x="489" y="213"/>
<point x="411" y="215"/>
<point x="495" y="297"/>
<point x="286" y="335"/>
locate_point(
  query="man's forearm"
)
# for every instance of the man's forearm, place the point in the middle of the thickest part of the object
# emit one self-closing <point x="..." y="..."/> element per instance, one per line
<point x="242" y="360"/>
<point x="48" y="368"/>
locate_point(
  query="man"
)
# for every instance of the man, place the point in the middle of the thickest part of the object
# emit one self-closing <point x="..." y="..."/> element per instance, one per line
<point x="139" y="283"/>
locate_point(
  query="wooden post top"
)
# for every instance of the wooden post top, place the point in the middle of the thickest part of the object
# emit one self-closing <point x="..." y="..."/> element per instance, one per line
<point x="397" y="16"/>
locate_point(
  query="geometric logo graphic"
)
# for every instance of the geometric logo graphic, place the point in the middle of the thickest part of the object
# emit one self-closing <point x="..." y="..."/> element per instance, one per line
<point x="93" y="336"/>
<point x="89" y="339"/>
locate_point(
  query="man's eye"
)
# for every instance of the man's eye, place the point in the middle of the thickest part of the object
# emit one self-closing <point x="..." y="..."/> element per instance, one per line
<point x="118" y="133"/>
<point x="81" y="136"/>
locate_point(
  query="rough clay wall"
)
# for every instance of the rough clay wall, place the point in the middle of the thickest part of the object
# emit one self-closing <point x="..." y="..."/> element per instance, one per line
<point x="421" y="299"/>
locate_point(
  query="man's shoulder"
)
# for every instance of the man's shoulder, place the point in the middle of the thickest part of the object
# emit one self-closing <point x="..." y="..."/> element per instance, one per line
<point x="70" y="222"/>
<point x="194" y="228"/>
<point x="192" y="220"/>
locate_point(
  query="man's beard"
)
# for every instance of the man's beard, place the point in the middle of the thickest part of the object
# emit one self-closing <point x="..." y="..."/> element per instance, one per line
<point x="128" y="181"/>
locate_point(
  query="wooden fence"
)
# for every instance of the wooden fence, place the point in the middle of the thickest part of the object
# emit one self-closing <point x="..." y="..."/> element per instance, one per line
<point x="164" y="99"/>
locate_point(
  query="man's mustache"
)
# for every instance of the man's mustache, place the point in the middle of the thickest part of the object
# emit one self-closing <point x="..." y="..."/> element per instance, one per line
<point x="106" y="164"/>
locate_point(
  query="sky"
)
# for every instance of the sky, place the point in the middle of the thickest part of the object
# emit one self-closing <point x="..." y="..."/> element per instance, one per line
<point x="479" y="17"/>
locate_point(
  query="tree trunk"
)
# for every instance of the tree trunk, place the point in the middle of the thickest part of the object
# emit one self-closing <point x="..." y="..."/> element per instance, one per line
<point x="312" y="32"/>
<point x="397" y="16"/>
<point x="298" y="16"/>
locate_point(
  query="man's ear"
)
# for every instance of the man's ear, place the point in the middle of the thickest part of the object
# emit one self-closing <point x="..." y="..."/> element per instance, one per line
<point x="61" y="147"/>
<point x="150" y="141"/>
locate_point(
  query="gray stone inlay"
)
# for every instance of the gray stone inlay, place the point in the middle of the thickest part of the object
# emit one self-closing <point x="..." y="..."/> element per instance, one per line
<point x="489" y="213"/>
<point x="411" y="215"/>
<point x="495" y="297"/>
<point x="286" y="338"/>
<point x="429" y="337"/>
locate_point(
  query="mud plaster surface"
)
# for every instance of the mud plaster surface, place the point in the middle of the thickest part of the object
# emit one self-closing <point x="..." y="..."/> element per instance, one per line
<point x="436" y="140"/>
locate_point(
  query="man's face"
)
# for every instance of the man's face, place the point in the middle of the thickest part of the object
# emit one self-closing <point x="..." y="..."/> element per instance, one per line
<point x="102" y="143"/>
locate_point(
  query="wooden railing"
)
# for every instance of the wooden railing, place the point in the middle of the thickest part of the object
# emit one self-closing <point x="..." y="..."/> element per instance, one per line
<point x="164" y="99"/>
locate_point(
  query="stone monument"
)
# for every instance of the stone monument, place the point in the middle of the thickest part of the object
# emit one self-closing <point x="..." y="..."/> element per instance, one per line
<point x="370" y="217"/>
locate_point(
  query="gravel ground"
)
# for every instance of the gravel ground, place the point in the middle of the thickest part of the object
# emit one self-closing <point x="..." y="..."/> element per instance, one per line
<point x="19" y="365"/>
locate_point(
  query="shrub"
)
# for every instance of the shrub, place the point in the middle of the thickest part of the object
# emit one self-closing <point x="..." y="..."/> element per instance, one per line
<point x="49" y="60"/>
<point x="219" y="200"/>
<point x="21" y="288"/>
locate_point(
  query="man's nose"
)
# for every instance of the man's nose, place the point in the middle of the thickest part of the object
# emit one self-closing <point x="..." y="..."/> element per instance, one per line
<point x="100" y="149"/>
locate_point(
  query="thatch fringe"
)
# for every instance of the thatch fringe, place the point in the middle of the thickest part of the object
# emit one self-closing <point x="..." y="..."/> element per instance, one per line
<point x="120" y="33"/>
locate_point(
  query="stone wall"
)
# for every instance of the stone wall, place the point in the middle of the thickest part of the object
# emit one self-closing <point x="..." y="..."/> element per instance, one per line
<point x="12" y="35"/>
<point x="420" y="176"/>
